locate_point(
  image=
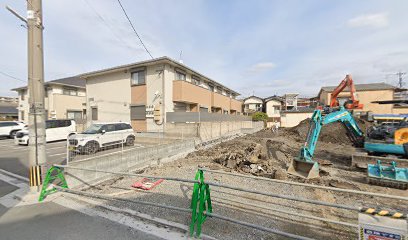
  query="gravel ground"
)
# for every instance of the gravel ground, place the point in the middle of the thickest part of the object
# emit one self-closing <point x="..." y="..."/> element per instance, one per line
<point x="253" y="208"/>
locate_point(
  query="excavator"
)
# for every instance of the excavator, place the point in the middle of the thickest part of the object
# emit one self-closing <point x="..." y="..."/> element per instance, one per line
<point x="353" y="102"/>
<point x="304" y="166"/>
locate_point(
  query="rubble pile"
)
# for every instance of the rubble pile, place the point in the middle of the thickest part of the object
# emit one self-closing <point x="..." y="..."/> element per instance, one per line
<point x="248" y="155"/>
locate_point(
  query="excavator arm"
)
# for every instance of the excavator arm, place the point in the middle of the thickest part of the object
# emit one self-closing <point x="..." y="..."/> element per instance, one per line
<point x="304" y="166"/>
<point x="353" y="103"/>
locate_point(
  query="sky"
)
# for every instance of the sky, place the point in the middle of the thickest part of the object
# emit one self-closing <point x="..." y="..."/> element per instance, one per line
<point x="253" y="47"/>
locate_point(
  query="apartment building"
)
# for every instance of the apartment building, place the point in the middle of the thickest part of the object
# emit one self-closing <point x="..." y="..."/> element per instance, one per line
<point x="143" y="92"/>
<point x="368" y="94"/>
<point x="64" y="99"/>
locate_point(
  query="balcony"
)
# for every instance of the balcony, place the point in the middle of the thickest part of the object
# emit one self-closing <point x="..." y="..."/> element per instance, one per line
<point x="220" y="101"/>
<point x="189" y="93"/>
<point x="236" y="105"/>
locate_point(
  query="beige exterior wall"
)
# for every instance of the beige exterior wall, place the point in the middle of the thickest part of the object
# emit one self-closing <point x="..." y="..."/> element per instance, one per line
<point x="189" y="93"/>
<point x="400" y="110"/>
<point x="270" y="108"/>
<point x="365" y="98"/>
<point x="220" y="101"/>
<point x="236" y="105"/>
<point x="56" y="103"/>
<point x="293" y="119"/>
<point x="64" y="103"/>
<point x="111" y="94"/>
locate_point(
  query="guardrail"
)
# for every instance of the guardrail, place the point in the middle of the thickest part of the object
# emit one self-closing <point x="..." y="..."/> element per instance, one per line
<point x="201" y="205"/>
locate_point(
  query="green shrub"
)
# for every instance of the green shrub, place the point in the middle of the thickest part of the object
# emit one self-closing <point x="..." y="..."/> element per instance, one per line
<point x="259" y="116"/>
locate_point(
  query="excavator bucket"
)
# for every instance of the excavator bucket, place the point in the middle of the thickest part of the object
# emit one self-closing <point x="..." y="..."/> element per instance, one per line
<point x="304" y="169"/>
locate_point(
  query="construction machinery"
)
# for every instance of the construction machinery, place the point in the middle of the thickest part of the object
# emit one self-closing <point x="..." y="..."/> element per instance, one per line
<point x="387" y="142"/>
<point x="353" y="102"/>
<point x="304" y="166"/>
<point x="388" y="176"/>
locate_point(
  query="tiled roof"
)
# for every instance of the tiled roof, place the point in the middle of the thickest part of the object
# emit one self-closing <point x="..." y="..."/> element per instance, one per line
<point x="363" y="87"/>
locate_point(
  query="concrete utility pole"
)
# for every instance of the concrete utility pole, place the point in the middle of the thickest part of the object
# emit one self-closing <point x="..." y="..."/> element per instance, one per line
<point x="400" y="80"/>
<point x="36" y="119"/>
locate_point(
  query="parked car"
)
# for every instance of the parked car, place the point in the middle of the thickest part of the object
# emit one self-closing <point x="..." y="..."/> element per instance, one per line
<point x="55" y="130"/>
<point x="100" y="135"/>
<point x="10" y="128"/>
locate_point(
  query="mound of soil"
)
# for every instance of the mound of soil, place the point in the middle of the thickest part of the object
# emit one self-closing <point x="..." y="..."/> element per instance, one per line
<point x="331" y="133"/>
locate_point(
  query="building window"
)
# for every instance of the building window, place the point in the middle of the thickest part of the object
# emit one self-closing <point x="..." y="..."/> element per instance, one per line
<point x="22" y="94"/>
<point x="70" y="91"/>
<point x="138" y="112"/>
<point x="45" y="92"/>
<point x="196" y="81"/>
<point x="138" y="78"/>
<point x="211" y="88"/>
<point x="94" y="113"/>
<point x="76" y="115"/>
<point x="22" y="115"/>
<point x="180" y="76"/>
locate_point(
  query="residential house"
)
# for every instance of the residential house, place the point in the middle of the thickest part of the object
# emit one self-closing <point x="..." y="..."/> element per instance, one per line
<point x="290" y="101"/>
<point x="273" y="107"/>
<point x="367" y="94"/>
<point x="252" y="104"/>
<point x="143" y="92"/>
<point x="8" y="108"/>
<point x="64" y="99"/>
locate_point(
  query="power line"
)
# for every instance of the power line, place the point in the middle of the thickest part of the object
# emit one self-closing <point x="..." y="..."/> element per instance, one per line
<point x="8" y="75"/>
<point x="105" y="22"/>
<point x="131" y="24"/>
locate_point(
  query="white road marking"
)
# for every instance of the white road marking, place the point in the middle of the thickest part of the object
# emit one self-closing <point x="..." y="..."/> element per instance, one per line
<point x="54" y="148"/>
<point x="118" y="217"/>
<point x="58" y="154"/>
<point x="14" y="175"/>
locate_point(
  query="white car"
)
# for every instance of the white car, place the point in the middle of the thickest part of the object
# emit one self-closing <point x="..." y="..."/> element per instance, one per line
<point x="55" y="130"/>
<point x="100" y="135"/>
<point x="10" y="128"/>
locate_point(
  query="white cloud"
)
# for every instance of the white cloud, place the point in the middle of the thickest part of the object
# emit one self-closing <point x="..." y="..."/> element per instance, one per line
<point x="377" y="20"/>
<point x="262" y="66"/>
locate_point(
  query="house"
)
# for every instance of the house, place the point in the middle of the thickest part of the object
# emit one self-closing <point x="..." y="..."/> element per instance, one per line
<point x="290" y="101"/>
<point x="273" y="107"/>
<point x="64" y="99"/>
<point x="367" y="94"/>
<point x="143" y="92"/>
<point x="8" y="108"/>
<point x="252" y="104"/>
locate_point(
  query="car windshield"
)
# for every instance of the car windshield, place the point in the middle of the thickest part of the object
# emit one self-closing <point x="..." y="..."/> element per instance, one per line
<point x="94" y="128"/>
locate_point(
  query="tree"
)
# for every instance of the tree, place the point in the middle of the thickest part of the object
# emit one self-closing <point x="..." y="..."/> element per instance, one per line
<point x="259" y="116"/>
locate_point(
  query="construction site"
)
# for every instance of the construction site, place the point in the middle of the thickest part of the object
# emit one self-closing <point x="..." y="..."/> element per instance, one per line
<point x="328" y="177"/>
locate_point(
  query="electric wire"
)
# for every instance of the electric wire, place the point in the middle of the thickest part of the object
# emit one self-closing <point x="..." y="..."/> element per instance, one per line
<point x="134" y="30"/>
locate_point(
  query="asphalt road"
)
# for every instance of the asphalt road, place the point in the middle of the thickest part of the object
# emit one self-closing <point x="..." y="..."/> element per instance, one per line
<point x="14" y="158"/>
<point x="49" y="220"/>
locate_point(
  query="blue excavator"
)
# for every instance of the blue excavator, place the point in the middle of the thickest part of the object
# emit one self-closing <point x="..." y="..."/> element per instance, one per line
<point x="304" y="166"/>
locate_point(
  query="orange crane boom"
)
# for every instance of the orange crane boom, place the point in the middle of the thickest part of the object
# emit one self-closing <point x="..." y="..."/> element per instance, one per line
<point x="351" y="104"/>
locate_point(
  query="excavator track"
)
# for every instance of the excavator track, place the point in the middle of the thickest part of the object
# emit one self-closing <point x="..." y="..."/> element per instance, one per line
<point x="387" y="183"/>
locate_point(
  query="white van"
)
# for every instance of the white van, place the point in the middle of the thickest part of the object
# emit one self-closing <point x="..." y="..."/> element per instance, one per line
<point x="55" y="130"/>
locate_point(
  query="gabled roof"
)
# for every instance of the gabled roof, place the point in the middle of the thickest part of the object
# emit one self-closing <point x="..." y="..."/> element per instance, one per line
<point x="164" y="59"/>
<point x="69" y="81"/>
<point x="253" y="96"/>
<point x="364" y="87"/>
<point x="8" y="110"/>
<point x="276" y="98"/>
<point x="361" y="87"/>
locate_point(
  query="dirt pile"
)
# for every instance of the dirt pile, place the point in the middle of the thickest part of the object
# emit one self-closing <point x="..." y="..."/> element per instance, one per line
<point x="247" y="156"/>
<point x="332" y="133"/>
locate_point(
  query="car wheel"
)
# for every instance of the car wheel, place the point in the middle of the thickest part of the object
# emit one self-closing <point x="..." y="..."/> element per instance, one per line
<point x="91" y="148"/>
<point x="13" y="134"/>
<point x="130" y="141"/>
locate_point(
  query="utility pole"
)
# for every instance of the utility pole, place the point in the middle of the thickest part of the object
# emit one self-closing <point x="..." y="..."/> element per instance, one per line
<point x="400" y="80"/>
<point x="36" y="119"/>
